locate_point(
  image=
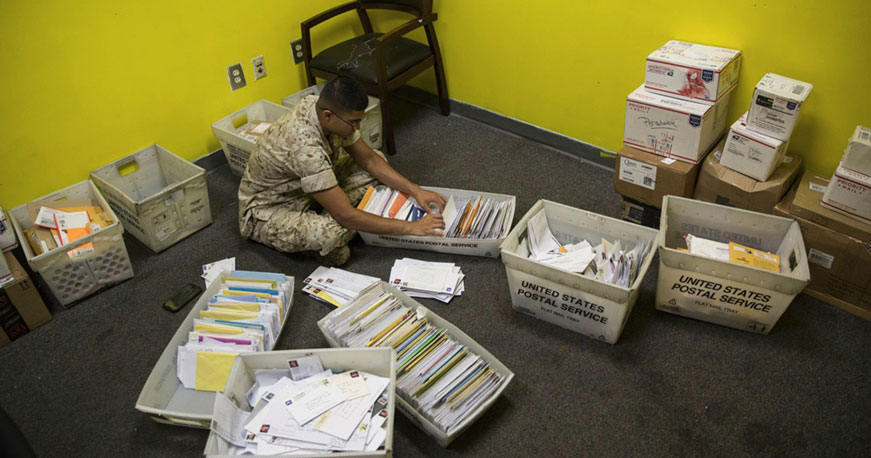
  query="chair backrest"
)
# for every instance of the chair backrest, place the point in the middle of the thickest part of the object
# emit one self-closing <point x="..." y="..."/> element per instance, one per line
<point x="422" y="7"/>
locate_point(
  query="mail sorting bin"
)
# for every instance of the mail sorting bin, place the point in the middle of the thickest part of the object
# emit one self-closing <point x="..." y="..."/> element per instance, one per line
<point x="591" y="307"/>
<point x="721" y="292"/>
<point x="370" y="128"/>
<point x="163" y="396"/>
<point x="230" y="131"/>
<point x="454" y="245"/>
<point x="444" y="438"/>
<point x="159" y="197"/>
<point x="376" y="361"/>
<point x="73" y="278"/>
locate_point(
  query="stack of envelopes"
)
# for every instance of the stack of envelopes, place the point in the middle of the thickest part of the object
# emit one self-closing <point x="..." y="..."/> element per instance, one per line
<point x="335" y="286"/>
<point x="307" y="409"/>
<point x="245" y="316"/>
<point x="433" y="280"/>
<point x="476" y="218"/>
<point x="390" y="203"/>
<point x="438" y="375"/>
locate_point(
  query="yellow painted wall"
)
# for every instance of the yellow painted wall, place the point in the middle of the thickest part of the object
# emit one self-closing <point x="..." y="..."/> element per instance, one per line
<point x="85" y="83"/>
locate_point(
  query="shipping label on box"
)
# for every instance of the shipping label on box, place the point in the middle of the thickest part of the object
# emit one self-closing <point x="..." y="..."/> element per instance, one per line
<point x="775" y="106"/>
<point x="752" y="153"/>
<point x="637" y="173"/>
<point x="857" y="156"/>
<point x="670" y="127"/>
<point x="692" y="72"/>
<point x="849" y="192"/>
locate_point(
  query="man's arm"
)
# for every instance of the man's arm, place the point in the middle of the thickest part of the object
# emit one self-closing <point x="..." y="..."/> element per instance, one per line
<point x="336" y="202"/>
<point x="371" y="162"/>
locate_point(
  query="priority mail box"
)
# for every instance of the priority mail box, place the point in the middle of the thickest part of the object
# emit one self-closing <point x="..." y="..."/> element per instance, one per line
<point x="775" y="105"/>
<point x="752" y="153"/>
<point x="857" y="156"/>
<point x="21" y="307"/>
<point x="807" y="204"/>
<point x="646" y="177"/>
<point x="722" y="292"/>
<point x="849" y="192"/>
<point x="673" y="128"/>
<point x="722" y="185"/>
<point x="832" y="255"/>
<point x="692" y="71"/>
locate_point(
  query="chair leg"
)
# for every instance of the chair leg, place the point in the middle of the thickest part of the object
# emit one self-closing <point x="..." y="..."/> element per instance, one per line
<point x="389" y="144"/>
<point x="308" y="76"/>
<point x="438" y="67"/>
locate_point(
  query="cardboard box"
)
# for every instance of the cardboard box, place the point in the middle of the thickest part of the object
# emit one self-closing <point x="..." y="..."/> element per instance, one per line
<point x="849" y="192"/>
<point x="639" y="213"/>
<point x="752" y="153"/>
<point x="857" y="156"/>
<point x="21" y="307"/>
<point x="775" y="106"/>
<point x="833" y="256"/>
<point x="8" y="241"/>
<point x="646" y="177"/>
<point x="807" y="204"/>
<point x="724" y="186"/>
<point x="673" y="128"/>
<point x="692" y="72"/>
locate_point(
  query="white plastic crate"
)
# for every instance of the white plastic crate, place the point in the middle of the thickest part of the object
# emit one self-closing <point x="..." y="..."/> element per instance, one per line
<point x="160" y="198"/>
<point x="71" y="279"/>
<point x="722" y="292"/>
<point x="227" y="129"/>
<point x="376" y="361"/>
<point x="370" y="128"/>
<point x="585" y="305"/>
<point x="443" y="438"/>
<point x="465" y="246"/>
<point x="163" y="396"/>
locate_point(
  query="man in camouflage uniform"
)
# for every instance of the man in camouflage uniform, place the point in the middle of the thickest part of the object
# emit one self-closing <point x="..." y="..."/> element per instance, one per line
<point x="299" y="166"/>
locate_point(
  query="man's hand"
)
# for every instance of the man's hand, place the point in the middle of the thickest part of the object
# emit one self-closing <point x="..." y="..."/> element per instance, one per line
<point x="430" y="224"/>
<point x="425" y="198"/>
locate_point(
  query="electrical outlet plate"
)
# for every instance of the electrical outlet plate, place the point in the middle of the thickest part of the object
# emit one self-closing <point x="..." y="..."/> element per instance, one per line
<point x="296" y="50"/>
<point x="236" y="76"/>
<point x="259" y="67"/>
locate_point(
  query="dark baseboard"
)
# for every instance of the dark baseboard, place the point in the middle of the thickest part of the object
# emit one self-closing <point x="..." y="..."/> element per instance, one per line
<point x="568" y="145"/>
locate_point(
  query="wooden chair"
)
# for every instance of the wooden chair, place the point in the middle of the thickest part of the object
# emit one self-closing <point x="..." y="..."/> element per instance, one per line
<point x="381" y="62"/>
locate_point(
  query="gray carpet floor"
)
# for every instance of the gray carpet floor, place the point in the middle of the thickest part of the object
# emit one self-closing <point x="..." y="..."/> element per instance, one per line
<point x="670" y="387"/>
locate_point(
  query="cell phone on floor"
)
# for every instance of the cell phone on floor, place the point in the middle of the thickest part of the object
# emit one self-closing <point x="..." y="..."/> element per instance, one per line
<point x="187" y="294"/>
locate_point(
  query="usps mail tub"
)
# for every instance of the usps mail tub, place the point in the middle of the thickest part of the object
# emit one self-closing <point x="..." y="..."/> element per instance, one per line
<point x="160" y="197"/>
<point x="442" y="437"/>
<point x="454" y="245"/>
<point x="376" y="361"/>
<point x="231" y="129"/>
<point x="73" y="278"/>
<point x="370" y="128"/>
<point x="163" y="396"/>
<point x="722" y="292"/>
<point x="585" y="305"/>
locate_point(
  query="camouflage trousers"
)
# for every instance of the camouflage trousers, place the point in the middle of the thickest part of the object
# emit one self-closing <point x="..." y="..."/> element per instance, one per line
<point x="299" y="226"/>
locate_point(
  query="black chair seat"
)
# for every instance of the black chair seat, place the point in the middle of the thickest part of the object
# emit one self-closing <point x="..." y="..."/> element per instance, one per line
<point x="356" y="57"/>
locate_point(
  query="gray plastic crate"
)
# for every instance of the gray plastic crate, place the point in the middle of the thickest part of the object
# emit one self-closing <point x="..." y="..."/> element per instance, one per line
<point x="236" y="147"/>
<point x="162" y="199"/>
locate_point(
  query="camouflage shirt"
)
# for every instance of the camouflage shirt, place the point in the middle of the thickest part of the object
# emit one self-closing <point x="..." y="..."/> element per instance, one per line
<point x="292" y="159"/>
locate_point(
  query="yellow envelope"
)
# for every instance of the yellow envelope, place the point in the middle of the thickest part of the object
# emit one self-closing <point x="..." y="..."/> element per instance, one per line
<point x="217" y="328"/>
<point x="227" y="316"/>
<point x="228" y="292"/>
<point x="261" y="283"/>
<point x="213" y="370"/>
<point x="323" y="295"/>
<point x="239" y="306"/>
<point x="740" y="254"/>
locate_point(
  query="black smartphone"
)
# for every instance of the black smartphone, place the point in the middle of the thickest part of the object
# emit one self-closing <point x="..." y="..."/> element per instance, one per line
<point x="187" y="294"/>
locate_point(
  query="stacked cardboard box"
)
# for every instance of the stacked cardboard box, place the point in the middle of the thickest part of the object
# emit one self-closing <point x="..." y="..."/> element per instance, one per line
<point x="849" y="191"/>
<point x="837" y="247"/>
<point x="672" y="121"/>
<point x="21" y="307"/>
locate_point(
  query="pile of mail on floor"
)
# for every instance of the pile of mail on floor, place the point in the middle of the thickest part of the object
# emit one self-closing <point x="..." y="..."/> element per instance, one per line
<point x="245" y="316"/>
<point x="438" y="375"/>
<point x="732" y="252"/>
<point x="608" y="262"/>
<point x="432" y="280"/>
<point x="306" y="410"/>
<point x="335" y="286"/>
<point x="56" y="224"/>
